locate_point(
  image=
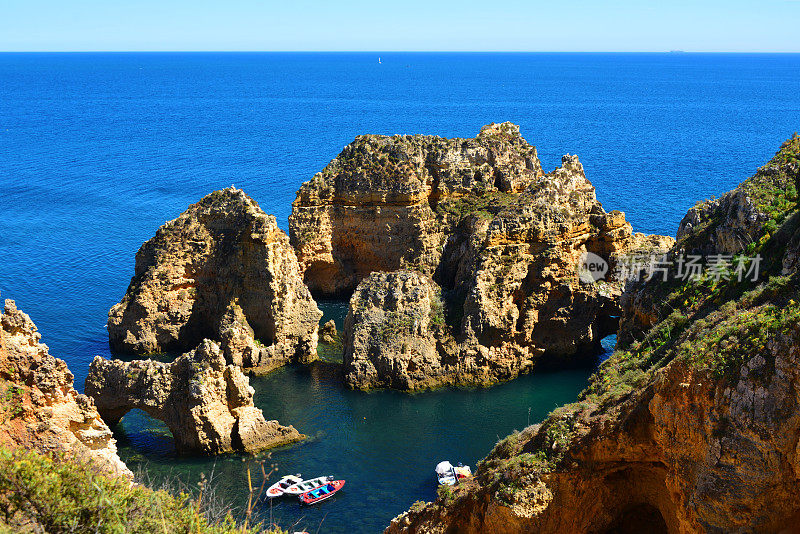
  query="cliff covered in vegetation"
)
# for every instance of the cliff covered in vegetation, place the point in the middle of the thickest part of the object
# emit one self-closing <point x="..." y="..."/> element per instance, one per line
<point x="59" y="468"/>
<point x="692" y="424"/>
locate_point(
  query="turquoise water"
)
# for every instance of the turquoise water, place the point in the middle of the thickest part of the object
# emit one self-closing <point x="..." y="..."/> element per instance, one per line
<point x="385" y="444"/>
<point x="98" y="150"/>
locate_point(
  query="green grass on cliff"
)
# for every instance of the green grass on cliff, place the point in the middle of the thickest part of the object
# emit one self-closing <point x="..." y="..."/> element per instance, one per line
<point x="772" y="191"/>
<point x="483" y="206"/>
<point x="713" y="337"/>
<point x="716" y="323"/>
<point x="57" y="495"/>
<point x="11" y="401"/>
<point x="712" y="324"/>
<point x="712" y="333"/>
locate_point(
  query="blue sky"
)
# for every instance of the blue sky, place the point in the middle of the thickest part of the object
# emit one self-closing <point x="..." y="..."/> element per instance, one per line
<point x="513" y="25"/>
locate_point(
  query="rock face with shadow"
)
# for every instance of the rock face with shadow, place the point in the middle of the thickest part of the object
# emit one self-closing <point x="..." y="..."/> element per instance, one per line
<point x="500" y="238"/>
<point x="693" y="424"/>
<point x="394" y="333"/>
<point x="515" y="279"/>
<point x="206" y="403"/>
<point x="379" y="206"/>
<point x="39" y="408"/>
<point x="222" y="270"/>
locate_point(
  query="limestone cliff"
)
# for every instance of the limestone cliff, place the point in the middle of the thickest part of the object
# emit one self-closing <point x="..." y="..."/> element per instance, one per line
<point x="206" y="403"/>
<point x="519" y="278"/>
<point x="221" y="270"/>
<point x="394" y="334"/>
<point x="692" y="424"/>
<point x="505" y="253"/>
<point x="740" y="222"/>
<point x="740" y="217"/>
<point x="376" y="207"/>
<point x="39" y="408"/>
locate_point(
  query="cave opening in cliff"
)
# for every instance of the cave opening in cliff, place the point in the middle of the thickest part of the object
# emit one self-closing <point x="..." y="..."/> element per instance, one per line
<point x="638" y="518"/>
<point x="325" y="280"/>
<point x="141" y="431"/>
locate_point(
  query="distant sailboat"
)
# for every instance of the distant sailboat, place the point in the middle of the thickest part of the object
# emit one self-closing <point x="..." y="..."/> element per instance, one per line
<point x="379" y="60"/>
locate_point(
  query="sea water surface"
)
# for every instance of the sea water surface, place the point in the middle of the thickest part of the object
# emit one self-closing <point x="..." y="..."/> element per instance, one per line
<point x="98" y="150"/>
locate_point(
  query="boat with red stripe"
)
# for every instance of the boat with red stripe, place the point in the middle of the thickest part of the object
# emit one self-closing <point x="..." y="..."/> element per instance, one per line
<point x="321" y="493"/>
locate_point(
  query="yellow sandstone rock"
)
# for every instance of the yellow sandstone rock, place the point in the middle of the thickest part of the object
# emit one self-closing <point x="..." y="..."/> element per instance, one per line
<point x="222" y="270"/>
<point x="40" y="408"/>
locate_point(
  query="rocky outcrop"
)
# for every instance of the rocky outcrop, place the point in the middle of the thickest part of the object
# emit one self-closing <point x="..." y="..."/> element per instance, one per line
<point x="39" y="408"/>
<point x="376" y="206"/>
<point x="740" y="222"/>
<point x="728" y="224"/>
<point x="690" y="426"/>
<point x="222" y="270"/>
<point x="394" y="334"/>
<point x="681" y="455"/>
<point x="518" y="273"/>
<point x="328" y="333"/>
<point x="506" y="253"/>
<point x="206" y="403"/>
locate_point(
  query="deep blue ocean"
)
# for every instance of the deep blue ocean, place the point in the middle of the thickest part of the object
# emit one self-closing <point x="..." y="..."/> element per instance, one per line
<point x="98" y="150"/>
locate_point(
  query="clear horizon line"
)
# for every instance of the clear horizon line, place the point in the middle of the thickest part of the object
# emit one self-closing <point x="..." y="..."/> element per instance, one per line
<point x="213" y="51"/>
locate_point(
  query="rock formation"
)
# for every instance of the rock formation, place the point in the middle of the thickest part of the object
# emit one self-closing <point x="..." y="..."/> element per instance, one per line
<point x="502" y="239"/>
<point x="206" y="403"/>
<point x="39" y="408"/>
<point x="519" y="278"/>
<point x="393" y="333"/>
<point x="376" y="206"/>
<point x="739" y="222"/>
<point x="328" y="333"/>
<point x="221" y="270"/>
<point x="692" y="424"/>
<point x="729" y="224"/>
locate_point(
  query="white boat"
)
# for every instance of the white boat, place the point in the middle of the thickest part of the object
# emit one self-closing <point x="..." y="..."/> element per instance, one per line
<point x="307" y="485"/>
<point x="445" y="474"/>
<point x="280" y="487"/>
<point x="448" y="475"/>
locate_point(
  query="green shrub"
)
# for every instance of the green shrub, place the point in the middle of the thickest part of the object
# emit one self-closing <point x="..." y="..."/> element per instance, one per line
<point x="396" y="323"/>
<point x="484" y="205"/>
<point x="507" y="446"/>
<point x="60" y="494"/>
<point x="446" y="494"/>
<point x="418" y="506"/>
<point x="437" y="311"/>
<point x="13" y="398"/>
